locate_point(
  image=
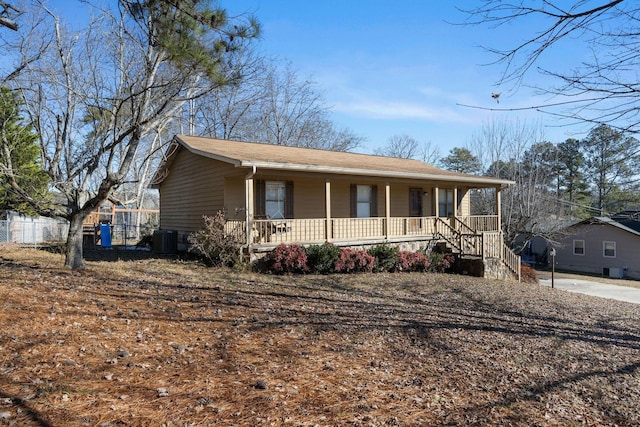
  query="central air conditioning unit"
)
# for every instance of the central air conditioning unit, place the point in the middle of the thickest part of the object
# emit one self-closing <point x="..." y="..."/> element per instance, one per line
<point x="616" y="272"/>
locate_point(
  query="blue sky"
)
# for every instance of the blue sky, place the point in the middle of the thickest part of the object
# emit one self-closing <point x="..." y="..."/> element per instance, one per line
<point x="400" y="67"/>
<point x="391" y="68"/>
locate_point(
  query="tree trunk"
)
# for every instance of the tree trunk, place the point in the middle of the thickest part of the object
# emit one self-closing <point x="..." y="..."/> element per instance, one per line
<point x="73" y="252"/>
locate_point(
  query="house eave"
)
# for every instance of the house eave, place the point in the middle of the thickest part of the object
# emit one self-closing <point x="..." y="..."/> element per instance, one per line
<point x="473" y="180"/>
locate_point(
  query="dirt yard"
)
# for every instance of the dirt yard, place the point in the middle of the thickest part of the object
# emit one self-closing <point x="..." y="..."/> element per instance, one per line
<point x="152" y="342"/>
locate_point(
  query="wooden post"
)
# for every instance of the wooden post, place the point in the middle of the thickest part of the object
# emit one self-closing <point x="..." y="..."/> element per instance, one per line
<point x="248" y="203"/>
<point x="455" y="207"/>
<point x="499" y="207"/>
<point x="436" y="208"/>
<point x="387" y="209"/>
<point x="327" y="203"/>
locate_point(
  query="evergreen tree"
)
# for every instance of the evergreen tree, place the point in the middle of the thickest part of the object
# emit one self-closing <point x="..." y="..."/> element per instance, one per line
<point x="572" y="186"/>
<point x="461" y="160"/>
<point x="20" y="167"/>
<point x="612" y="162"/>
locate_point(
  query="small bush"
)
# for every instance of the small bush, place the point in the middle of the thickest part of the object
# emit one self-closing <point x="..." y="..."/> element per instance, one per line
<point x="440" y="263"/>
<point x="286" y="259"/>
<point x="354" y="261"/>
<point x="528" y="274"/>
<point x="214" y="244"/>
<point x="412" y="261"/>
<point x="146" y="241"/>
<point x="386" y="257"/>
<point x="321" y="259"/>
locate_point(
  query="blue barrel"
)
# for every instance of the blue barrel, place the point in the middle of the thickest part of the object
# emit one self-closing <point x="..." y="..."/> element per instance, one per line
<point x="105" y="235"/>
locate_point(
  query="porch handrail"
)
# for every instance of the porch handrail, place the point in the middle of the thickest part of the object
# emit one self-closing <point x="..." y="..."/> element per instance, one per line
<point x="447" y="232"/>
<point x="493" y="246"/>
<point x="511" y="260"/>
<point x="480" y="223"/>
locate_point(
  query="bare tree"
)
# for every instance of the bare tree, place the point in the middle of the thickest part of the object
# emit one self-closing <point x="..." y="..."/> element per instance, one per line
<point x="7" y="12"/>
<point x="429" y="153"/>
<point x="401" y="146"/>
<point x="96" y="94"/>
<point x="514" y="151"/>
<point x="603" y="90"/>
<point x="406" y="147"/>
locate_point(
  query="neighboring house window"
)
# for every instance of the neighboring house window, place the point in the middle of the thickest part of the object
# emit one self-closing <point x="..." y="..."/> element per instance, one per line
<point x="609" y="249"/>
<point x="273" y="199"/>
<point x="578" y="247"/>
<point x="364" y="201"/>
<point x="445" y="202"/>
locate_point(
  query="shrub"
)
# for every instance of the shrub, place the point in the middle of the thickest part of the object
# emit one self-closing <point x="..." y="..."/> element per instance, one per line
<point x="412" y="261"/>
<point x="146" y="241"/>
<point x="321" y="259"/>
<point x="386" y="257"/>
<point x="287" y="259"/>
<point x="528" y="274"/>
<point x="214" y="244"/>
<point x="354" y="261"/>
<point x="440" y="263"/>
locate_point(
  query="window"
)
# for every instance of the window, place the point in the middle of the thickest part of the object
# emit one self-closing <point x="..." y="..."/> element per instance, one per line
<point x="609" y="249"/>
<point x="364" y="200"/>
<point x="578" y="247"/>
<point x="274" y="199"/>
<point x="445" y="202"/>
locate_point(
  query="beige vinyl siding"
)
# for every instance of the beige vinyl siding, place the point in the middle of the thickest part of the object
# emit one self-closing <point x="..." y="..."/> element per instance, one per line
<point x="593" y="260"/>
<point x="309" y="198"/>
<point x="399" y="199"/>
<point x="193" y="188"/>
<point x="234" y="199"/>
<point x="464" y="209"/>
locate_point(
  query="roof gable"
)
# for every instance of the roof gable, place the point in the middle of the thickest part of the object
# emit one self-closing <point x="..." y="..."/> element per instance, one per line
<point x="629" y="228"/>
<point x="250" y="154"/>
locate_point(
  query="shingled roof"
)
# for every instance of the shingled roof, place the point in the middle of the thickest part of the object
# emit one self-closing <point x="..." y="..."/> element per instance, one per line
<point x="250" y="154"/>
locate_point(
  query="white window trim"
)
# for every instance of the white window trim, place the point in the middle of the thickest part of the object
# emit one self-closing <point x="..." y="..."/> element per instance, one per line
<point x="574" y="247"/>
<point x="281" y="186"/>
<point x="604" y="245"/>
<point x="362" y="203"/>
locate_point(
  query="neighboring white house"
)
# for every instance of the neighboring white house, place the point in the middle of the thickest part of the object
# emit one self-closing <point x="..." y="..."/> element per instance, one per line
<point x="600" y="245"/>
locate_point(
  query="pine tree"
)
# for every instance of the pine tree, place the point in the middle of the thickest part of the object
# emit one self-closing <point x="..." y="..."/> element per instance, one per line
<point x="21" y="175"/>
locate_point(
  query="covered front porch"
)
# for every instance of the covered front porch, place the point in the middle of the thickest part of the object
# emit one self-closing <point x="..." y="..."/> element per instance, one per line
<point x="448" y="222"/>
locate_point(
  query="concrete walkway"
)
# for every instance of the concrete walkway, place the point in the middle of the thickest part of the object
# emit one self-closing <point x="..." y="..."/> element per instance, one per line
<point x="591" y="287"/>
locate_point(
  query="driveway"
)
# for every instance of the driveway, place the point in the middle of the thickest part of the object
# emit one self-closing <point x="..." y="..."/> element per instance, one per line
<point x="591" y="287"/>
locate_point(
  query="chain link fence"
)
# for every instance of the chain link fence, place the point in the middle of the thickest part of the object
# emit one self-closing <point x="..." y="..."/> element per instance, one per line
<point x="33" y="231"/>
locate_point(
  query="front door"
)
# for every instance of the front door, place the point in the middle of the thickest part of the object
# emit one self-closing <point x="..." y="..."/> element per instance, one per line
<point x="415" y="209"/>
<point x="415" y="202"/>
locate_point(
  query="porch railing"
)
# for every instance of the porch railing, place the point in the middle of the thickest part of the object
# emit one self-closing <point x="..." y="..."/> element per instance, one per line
<point x="276" y="231"/>
<point x="481" y="223"/>
<point x="493" y="247"/>
<point x="459" y="232"/>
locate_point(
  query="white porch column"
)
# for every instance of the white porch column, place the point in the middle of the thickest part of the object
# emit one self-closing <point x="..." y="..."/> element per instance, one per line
<point x="248" y="203"/>
<point x="436" y="194"/>
<point x="327" y="203"/>
<point x="387" y="209"/>
<point x="455" y="202"/>
<point x="499" y="207"/>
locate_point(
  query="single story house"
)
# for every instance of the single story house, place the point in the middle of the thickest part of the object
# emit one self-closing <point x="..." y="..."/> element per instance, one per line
<point x="600" y="245"/>
<point x="277" y="194"/>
